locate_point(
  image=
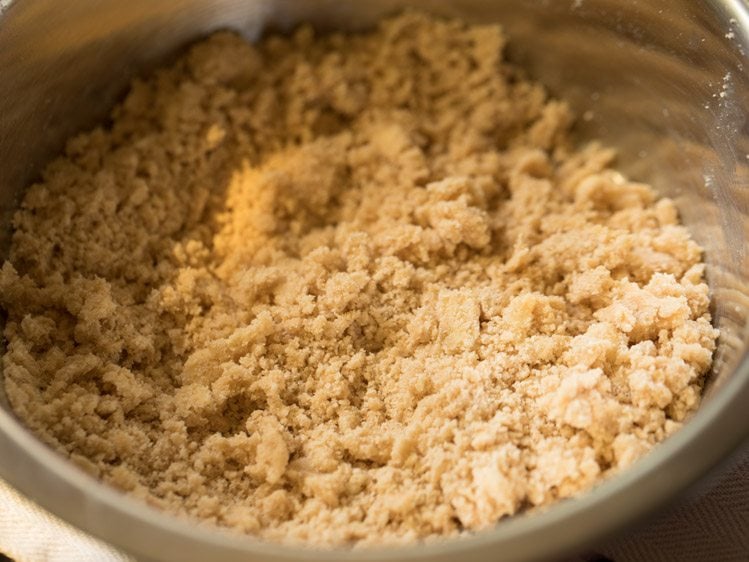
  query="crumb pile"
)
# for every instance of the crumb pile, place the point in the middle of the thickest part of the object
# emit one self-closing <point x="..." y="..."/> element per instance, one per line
<point x="350" y="289"/>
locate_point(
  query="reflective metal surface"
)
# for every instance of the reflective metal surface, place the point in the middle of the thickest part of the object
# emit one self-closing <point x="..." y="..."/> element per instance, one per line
<point x="662" y="80"/>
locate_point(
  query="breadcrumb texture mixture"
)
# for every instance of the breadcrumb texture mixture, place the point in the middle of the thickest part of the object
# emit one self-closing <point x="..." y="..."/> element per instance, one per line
<point x="350" y="290"/>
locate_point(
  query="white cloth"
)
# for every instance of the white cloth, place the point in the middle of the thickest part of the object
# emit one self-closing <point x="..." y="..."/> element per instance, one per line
<point x="30" y="534"/>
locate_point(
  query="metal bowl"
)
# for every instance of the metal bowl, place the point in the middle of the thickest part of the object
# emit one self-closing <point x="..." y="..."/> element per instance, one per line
<point x="664" y="81"/>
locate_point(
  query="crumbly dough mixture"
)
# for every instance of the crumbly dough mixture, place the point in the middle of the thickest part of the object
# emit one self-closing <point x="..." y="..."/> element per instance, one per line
<point x="350" y="289"/>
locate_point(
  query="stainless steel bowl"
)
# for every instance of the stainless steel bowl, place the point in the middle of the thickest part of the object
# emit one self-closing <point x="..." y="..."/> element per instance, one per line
<point x="662" y="80"/>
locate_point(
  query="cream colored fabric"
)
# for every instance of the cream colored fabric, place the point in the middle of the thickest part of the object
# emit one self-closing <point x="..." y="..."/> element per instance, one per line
<point x="30" y="534"/>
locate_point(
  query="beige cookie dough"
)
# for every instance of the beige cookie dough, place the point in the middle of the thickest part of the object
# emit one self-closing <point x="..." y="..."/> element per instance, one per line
<point x="350" y="289"/>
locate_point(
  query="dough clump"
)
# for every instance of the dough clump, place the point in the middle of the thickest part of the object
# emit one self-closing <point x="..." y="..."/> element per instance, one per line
<point x="350" y="289"/>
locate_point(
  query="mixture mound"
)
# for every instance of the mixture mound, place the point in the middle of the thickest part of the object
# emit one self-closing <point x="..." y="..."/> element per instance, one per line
<point x="350" y="289"/>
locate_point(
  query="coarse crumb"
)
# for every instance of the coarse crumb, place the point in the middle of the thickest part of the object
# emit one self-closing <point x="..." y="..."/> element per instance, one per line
<point x="350" y="290"/>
